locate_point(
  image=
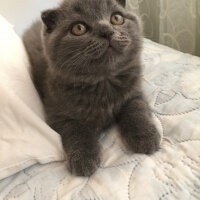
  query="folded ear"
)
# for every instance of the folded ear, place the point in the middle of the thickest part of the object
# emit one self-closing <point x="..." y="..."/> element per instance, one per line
<point x="122" y="2"/>
<point x="49" y="18"/>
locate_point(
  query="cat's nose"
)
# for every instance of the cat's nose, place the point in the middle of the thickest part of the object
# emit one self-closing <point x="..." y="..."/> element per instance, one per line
<point x="108" y="34"/>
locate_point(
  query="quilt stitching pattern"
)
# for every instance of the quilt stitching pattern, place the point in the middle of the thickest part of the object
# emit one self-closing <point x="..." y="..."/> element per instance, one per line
<point x="171" y="173"/>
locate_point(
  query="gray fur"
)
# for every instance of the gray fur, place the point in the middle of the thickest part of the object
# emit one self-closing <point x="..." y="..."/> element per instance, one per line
<point x="86" y="87"/>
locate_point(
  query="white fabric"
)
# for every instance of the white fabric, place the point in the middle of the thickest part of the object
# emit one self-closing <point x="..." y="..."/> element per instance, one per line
<point x="24" y="137"/>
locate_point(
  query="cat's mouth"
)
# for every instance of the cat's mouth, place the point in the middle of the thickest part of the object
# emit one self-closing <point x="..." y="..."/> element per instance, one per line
<point x="103" y="50"/>
<point x="111" y="47"/>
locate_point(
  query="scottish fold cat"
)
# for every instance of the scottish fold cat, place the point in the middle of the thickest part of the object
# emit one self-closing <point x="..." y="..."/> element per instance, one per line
<point x="85" y="58"/>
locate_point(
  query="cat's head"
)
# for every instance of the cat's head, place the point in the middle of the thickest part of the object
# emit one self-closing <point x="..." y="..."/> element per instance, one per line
<point x="90" y="36"/>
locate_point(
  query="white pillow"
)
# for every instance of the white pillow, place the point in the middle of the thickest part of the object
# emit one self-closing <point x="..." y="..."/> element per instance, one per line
<point x="25" y="139"/>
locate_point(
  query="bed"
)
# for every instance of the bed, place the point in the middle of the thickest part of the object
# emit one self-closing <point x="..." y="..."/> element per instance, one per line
<point x="32" y="165"/>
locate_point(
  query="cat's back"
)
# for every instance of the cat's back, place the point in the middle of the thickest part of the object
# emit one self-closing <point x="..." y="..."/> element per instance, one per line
<point x="33" y="44"/>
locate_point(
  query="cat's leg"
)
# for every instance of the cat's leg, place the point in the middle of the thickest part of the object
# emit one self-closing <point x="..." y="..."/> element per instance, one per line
<point x="80" y="142"/>
<point x="136" y="127"/>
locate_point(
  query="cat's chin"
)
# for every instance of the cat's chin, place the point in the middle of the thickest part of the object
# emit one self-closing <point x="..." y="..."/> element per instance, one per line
<point x="109" y="55"/>
<point x="112" y="50"/>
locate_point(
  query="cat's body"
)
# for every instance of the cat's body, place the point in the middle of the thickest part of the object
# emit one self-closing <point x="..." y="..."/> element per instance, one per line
<point x="92" y="81"/>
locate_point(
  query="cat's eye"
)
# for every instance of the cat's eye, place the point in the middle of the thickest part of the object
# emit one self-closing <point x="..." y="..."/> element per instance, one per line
<point x="79" y="29"/>
<point x="117" y="19"/>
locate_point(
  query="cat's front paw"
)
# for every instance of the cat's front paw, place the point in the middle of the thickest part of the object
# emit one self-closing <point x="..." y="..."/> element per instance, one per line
<point x="83" y="163"/>
<point x="145" y="140"/>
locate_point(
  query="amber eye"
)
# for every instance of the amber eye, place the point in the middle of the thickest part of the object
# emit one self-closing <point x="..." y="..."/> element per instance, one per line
<point x="117" y="19"/>
<point x="79" y="29"/>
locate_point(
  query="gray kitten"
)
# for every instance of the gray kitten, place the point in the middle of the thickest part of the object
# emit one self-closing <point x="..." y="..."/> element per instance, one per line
<point x="86" y="68"/>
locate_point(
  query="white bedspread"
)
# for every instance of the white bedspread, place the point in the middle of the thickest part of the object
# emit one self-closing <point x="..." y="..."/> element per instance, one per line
<point x="172" y="86"/>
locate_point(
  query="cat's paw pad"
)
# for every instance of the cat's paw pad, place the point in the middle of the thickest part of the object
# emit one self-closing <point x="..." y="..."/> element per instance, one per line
<point x="147" y="140"/>
<point x="83" y="164"/>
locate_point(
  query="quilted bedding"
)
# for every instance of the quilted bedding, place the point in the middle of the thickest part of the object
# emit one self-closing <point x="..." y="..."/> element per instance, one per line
<point x="171" y="83"/>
